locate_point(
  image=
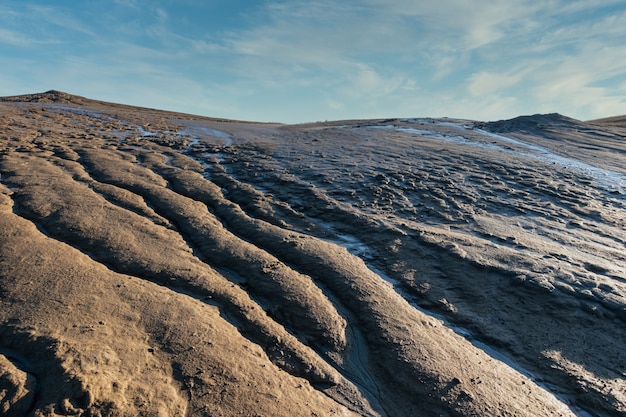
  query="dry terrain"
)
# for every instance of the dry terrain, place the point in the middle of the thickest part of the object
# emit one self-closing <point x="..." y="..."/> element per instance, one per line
<point x="161" y="264"/>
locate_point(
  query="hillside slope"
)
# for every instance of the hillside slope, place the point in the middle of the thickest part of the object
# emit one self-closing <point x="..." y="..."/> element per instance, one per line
<point x="153" y="263"/>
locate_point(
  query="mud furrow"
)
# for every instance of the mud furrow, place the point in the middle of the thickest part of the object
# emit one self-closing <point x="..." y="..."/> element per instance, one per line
<point x="352" y="363"/>
<point x="450" y="291"/>
<point x="265" y="274"/>
<point x="307" y="251"/>
<point x="109" y="241"/>
<point x="98" y="360"/>
<point x="348" y="279"/>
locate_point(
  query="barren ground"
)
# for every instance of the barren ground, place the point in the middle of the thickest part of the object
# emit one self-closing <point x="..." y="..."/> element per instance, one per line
<point x="161" y="264"/>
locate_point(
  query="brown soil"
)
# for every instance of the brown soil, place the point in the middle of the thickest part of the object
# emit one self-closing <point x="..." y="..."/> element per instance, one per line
<point x="160" y="264"/>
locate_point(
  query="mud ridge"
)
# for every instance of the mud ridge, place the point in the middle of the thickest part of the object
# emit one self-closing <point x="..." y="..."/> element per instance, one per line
<point x="167" y="264"/>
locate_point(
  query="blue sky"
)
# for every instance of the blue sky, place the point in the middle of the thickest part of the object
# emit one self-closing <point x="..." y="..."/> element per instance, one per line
<point x="297" y="61"/>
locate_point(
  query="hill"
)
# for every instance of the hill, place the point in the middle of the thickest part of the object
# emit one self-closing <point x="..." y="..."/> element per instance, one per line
<point x="155" y="263"/>
<point x="618" y="121"/>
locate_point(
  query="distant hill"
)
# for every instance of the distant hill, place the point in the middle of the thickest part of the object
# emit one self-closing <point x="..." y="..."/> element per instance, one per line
<point x="532" y="122"/>
<point x="617" y="121"/>
<point x="60" y="97"/>
<point x="51" y="96"/>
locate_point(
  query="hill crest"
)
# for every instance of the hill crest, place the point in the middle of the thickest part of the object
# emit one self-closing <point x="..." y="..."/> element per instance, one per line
<point x="50" y="96"/>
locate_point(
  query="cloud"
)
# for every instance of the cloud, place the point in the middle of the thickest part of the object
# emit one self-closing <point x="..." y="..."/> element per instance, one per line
<point x="484" y="82"/>
<point x="58" y="17"/>
<point x="421" y="35"/>
<point x="483" y="58"/>
<point x="583" y="84"/>
<point x="16" y="38"/>
<point x="31" y="25"/>
<point x="366" y="81"/>
<point x="502" y="54"/>
<point x="133" y="4"/>
<point x="457" y="24"/>
<point x="335" y="105"/>
<point x="161" y="14"/>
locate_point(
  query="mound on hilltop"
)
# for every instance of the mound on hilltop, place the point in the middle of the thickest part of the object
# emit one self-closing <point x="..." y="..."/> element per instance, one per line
<point x="531" y="123"/>
<point x="51" y="96"/>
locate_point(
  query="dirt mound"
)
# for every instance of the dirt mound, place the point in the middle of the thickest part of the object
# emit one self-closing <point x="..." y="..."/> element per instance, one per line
<point x="531" y="123"/>
<point x="51" y="96"/>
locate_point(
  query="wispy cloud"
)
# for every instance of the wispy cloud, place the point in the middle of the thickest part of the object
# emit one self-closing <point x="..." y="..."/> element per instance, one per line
<point x="485" y="58"/>
<point x="58" y="17"/>
<point x="507" y="52"/>
<point x="485" y="82"/>
<point x="564" y="67"/>
<point x="20" y="39"/>
<point x="128" y="3"/>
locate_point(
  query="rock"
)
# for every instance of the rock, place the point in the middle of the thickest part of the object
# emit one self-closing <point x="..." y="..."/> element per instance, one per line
<point x="17" y="389"/>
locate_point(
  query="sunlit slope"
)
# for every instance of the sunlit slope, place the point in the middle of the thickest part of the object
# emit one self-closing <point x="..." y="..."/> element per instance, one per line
<point x="154" y="263"/>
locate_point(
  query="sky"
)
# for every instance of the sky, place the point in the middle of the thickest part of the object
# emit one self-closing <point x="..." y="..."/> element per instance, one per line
<point x="294" y="61"/>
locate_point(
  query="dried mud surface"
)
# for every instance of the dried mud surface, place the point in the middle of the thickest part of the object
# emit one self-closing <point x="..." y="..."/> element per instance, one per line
<point x="161" y="264"/>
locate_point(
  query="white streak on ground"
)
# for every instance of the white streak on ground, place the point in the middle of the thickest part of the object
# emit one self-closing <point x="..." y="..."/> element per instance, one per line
<point x="610" y="181"/>
<point x="195" y="134"/>
<point x="145" y="133"/>
<point x="359" y="249"/>
<point x="199" y="131"/>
